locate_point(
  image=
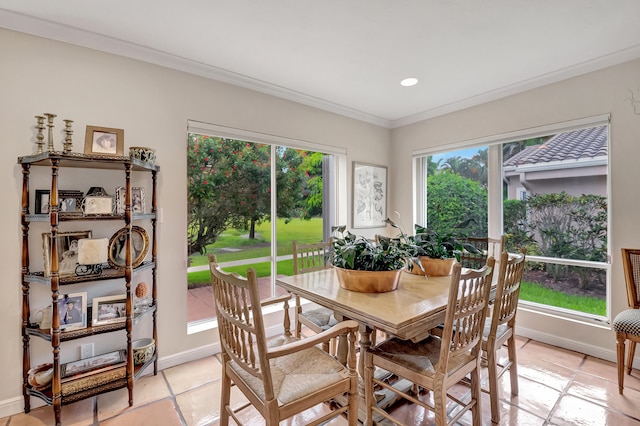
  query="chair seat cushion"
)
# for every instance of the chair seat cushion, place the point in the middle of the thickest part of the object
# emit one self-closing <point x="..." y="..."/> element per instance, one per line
<point x="322" y="317"/>
<point x="500" y="330"/>
<point x="627" y="321"/>
<point x="296" y="375"/>
<point x="421" y="357"/>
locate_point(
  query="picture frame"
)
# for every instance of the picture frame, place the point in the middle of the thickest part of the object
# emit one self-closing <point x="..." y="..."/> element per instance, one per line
<point x="92" y="364"/>
<point x="138" y="202"/>
<point x="104" y="141"/>
<point x="72" y="311"/>
<point x="109" y="309"/>
<point x="117" y="247"/>
<point x="369" y="195"/>
<point x="67" y="244"/>
<point x="41" y="205"/>
<point x="70" y="202"/>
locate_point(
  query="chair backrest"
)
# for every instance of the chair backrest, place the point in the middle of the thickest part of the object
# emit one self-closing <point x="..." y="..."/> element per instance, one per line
<point x="310" y="257"/>
<point x="631" y="262"/>
<point x="466" y="310"/>
<point x="508" y="289"/>
<point x="478" y="249"/>
<point x="240" y="322"/>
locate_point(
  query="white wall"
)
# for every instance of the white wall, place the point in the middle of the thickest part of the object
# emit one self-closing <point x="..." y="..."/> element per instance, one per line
<point x="152" y="104"/>
<point x="603" y="92"/>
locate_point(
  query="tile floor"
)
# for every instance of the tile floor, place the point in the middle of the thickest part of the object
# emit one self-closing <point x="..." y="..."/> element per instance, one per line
<point x="557" y="387"/>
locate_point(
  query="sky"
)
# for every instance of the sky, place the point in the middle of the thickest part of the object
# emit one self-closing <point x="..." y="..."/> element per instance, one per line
<point x="465" y="153"/>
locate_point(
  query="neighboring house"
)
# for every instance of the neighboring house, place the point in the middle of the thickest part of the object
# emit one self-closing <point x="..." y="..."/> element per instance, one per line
<point x="574" y="162"/>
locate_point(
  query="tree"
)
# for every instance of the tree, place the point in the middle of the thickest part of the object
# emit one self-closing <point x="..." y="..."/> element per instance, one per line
<point x="229" y="185"/>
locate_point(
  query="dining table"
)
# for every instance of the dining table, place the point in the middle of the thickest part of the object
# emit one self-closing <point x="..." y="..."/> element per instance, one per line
<point x="409" y="312"/>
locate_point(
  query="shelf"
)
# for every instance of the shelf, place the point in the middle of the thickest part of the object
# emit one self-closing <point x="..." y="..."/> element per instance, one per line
<point x="78" y="160"/>
<point x="47" y="395"/>
<point x="107" y="274"/>
<point x="139" y="369"/>
<point x="74" y="217"/>
<point x="90" y="330"/>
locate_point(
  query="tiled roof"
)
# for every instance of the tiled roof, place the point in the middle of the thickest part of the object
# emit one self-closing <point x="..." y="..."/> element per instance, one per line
<point x="578" y="144"/>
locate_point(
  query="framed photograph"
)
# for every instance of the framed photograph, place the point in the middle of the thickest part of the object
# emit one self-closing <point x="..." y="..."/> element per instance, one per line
<point x="70" y="202"/>
<point x="72" y="310"/>
<point x="369" y="195"/>
<point x="42" y="201"/>
<point x="67" y="243"/>
<point x="118" y="247"/>
<point x="138" y="204"/>
<point x="86" y="365"/>
<point x="109" y="309"/>
<point x="104" y="141"/>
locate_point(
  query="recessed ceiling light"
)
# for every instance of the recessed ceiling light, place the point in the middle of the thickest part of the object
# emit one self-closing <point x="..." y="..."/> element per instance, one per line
<point x="408" y="82"/>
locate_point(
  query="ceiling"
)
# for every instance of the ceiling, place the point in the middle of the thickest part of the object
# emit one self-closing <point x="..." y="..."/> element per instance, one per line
<point x="348" y="56"/>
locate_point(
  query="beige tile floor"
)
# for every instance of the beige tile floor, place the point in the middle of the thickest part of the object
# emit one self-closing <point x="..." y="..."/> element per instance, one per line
<point x="557" y="387"/>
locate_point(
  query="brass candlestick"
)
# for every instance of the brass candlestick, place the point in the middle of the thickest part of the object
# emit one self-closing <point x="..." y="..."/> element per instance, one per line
<point x="67" y="139"/>
<point x="50" y="118"/>
<point x="40" y="135"/>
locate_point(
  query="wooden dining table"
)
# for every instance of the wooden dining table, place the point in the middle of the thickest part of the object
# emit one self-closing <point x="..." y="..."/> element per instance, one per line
<point x="409" y="312"/>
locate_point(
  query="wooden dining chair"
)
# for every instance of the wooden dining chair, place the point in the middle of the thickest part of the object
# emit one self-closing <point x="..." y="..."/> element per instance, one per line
<point x="308" y="258"/>
<point x="499" y="328"/>
<point x="627" y="323"/>
<point x="438" y="363"/>
<point x="478" y="249"/>
<point x="282" y="376"/>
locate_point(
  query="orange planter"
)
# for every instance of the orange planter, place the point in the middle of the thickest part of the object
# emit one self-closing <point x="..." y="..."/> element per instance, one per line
<point x="368" y="281"/>
<point x="434" y="267"/>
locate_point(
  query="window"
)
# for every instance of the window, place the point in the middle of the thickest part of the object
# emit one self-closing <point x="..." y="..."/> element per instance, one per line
<point x="549" y="189"/>
<point x="236" y="188"/>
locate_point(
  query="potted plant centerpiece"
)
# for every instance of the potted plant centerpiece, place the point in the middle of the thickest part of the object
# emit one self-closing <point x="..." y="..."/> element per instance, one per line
<point x="364" y="265"/>
<point x="433" y="254"/>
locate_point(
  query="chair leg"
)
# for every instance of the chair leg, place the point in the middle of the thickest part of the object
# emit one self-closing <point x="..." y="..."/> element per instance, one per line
<point x="620" y="354"/>
<point x="368" y="388"/>
<point x="494" y="390"/>
<point x="513" y="369"/>
<point x="476" y="394"/>
<point x="440" y="402"/>
<point x="632" y="354"/>
<point x="225" y="398"/>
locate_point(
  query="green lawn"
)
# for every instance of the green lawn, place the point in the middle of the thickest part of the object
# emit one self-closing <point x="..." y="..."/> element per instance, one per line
<point x="311" y="231"/>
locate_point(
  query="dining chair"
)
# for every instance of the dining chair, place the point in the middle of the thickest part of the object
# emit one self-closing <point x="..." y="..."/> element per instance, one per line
<point x="478" y="249"/>
<point x="627" y="323"/>
<point x="281" y="376"/>
<point x="499" y="328"/>
<point x="308" y="258"/>
<point x="438" y="363"/>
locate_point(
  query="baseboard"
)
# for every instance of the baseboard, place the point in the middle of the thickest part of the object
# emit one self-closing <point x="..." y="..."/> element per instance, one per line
<point x="572" y="345"/>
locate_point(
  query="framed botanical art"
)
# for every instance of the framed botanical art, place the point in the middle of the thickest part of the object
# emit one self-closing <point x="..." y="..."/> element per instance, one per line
<point x="104" y="141"/>
<point x="369" y="191"/>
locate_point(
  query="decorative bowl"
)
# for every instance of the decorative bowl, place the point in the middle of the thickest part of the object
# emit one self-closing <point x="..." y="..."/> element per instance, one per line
<point x="40" y="377"/>
<point x="142" y="153"/>
<point x="143" y="350"/>
<point x="435" y="267"/>
<point x="368" y="281"/>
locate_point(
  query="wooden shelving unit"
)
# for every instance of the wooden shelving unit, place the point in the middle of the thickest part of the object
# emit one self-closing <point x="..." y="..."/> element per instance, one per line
<point x="58" y="393"/>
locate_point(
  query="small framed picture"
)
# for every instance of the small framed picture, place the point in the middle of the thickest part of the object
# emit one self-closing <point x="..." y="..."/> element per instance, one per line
<point x="95" y="363"/>
<point x="42" y="201"/>
<point x="138" y="204"/>
<point x="67" y="244"/>
<point x="109" y="309"/>
<point x="70" y="202"/>
<point x="72" y="311"/>
<point x="104" y="141"/>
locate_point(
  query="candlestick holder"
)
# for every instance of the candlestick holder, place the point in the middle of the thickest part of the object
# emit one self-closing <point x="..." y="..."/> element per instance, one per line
<point x="40" y="135"/>
<point x="67" y="139"/>
<point x="50" y="118"/>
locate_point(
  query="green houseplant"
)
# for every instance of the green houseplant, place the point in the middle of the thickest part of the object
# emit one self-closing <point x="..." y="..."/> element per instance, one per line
<point x="433" y="253"/>
<point x="365" y="265"/>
